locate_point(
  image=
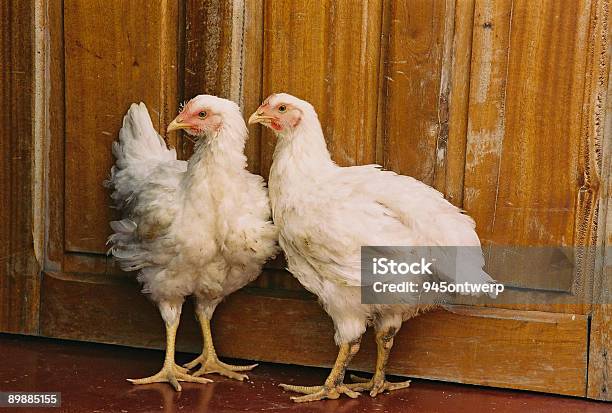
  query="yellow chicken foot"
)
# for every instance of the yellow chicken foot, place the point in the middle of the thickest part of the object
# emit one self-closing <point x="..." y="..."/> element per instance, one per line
<point x="334" y="385"/>
<point x="171" y="372"/>
<point x="209" y="361"/>
<point x="377" y="384"/>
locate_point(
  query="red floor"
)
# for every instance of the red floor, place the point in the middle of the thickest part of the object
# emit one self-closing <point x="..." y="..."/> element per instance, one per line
<point x="91" y="378"/>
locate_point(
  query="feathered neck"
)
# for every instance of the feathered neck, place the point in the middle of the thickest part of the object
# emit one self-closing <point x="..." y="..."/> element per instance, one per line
<point x="221" y="151"/>
<point x="302" y="153"/>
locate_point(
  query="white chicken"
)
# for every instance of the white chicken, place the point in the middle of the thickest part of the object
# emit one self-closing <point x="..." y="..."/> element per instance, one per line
<point x="200" y="227"/>
<point x="325" y="213"/>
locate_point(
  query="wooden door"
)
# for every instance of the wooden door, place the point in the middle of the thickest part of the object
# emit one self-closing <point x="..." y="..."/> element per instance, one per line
<point x="498" y="104"/>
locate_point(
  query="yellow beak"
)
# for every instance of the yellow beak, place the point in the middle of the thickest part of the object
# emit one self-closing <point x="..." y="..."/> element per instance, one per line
<point x="259" y="117"/>
<point x="177" y="125"/>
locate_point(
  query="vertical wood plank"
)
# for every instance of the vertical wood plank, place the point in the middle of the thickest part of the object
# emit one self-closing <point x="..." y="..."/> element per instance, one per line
<point x="600" y="343"/>
<point x="459" y="101"/>
<point x="171" y="56"/>
<point x="55" y="181"/>
<point x="252" y="76"/>
<point x="411" y="91"/>
<point x="522" y="165"/>
<point x="525" y="162"/>
<point x="223" y="57"/>
<point x="208" y="31"/>
<point x="19" y="267"/>
<point x="110" y="62"/>
<point x="446" y="70"/>
<point x="316" y="51"/>
<point x="598" y="125"/>
<point x="486" y="111"/>
<point x="537" y="190"/>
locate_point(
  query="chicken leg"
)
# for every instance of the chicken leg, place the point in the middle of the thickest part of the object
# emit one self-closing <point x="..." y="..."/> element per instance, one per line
<point x="377" y="384"/>
<point x="170" y="372"/>
<point x="208" y="360"/>
<point x="334" y="385"/>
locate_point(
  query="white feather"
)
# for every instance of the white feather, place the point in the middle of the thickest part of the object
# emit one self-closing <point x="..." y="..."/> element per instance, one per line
<point x="325" y="213"/>
<point x="200" y="227"/>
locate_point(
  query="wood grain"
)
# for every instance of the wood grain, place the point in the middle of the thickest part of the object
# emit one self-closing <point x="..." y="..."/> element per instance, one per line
<point x="414" y="32"/>
<point x="252" y="77"/>
<point x="444" y="92"/>
<point x="599" y="127"/>
<point x="600" y="344"/>
<point x="19" y="266"/>
<point x="459" y="99"/>
<point x="486" y="110"/>
<point x="54" y="256"/>
<point x="109" y="62"/>
<point x="208" y="30"/>
<point x="504" y="348"/>
<point x="316" y="51"/>
<point x="528" y="68"/>
<point x="223" y="57"/>
<point x="522" y="172"/>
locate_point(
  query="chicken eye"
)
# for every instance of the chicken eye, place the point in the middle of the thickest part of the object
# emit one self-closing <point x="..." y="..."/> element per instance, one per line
<point x="282" y="108"/>
<point x="202" y="114"/>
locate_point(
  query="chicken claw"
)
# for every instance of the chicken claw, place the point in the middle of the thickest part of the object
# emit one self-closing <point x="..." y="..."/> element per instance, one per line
<point x="334" y="386"/>
<point x="209" y="361"/>
<point x="313" y="393"/>
<point x="375" y="385"/>
<point x="378" y="384"/>
<point x="213" y="365"/>
<point x="171" y="374"/>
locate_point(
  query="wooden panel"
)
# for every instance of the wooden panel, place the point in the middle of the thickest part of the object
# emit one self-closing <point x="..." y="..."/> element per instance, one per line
<point x="522" y="170"/>
<point x="208" y="47"/>
<point x="316" y="51"/>
<point x="486" y="110"/>
<point x="55" y="180"/>
<point x="458" y="103"/>
<point x="600" y="345"/>
<point x="525" y="350"/>
<point x="223" y="57"/>
<point x="19" y="268"/>
<point x="252" y="77"/>
<point x="600" y="127"/>
<point x="110" y="62"/>
<point x="600" y="363"/>
<point x="207" y="53"/>
<point x="414" y="32"/>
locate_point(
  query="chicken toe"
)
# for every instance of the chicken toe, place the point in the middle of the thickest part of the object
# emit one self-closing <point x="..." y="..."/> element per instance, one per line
<point x="378" y="383"/>
<point x="208" y="360"/>
<point x="334" y="386"/>
<point x="314" y="393"/>
<point x="375" y="385"/>
<point x="172" y="374"/>
<point x="212" y="365"/>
